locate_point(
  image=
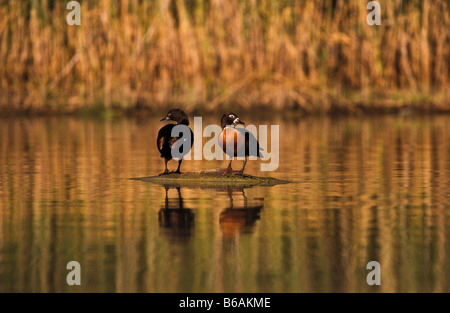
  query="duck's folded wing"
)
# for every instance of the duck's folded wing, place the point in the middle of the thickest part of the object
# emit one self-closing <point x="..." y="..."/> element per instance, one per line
<point x="181" y="145"/>
<point x="251" y="143"/>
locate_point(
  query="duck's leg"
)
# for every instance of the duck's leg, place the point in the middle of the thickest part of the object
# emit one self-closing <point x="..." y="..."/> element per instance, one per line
<point x="166" y="171"/>
<point x="180" y="199"/>
<point x="242" y="170"/>
<point x="167" y="197"/>
<point x="230" y="194"/>
<point x="228" y="169"/>
<point x="178" y="169"/>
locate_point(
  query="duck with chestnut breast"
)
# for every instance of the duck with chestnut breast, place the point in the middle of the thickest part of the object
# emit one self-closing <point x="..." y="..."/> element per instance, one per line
<point x="237" y="142"/>
<point x="165" y="142"/>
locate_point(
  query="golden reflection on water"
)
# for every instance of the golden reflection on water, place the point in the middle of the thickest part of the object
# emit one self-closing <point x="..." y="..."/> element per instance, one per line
<point x="364" y="189"/>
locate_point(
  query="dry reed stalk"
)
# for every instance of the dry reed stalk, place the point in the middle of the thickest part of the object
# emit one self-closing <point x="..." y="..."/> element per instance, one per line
<point x="133" y="54"/>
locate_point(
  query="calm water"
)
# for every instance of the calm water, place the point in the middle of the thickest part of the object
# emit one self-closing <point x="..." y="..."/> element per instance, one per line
<point x="365" y="189"/>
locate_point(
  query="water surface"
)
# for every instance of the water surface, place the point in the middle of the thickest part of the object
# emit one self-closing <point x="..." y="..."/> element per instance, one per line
<point x="364" y="189"/>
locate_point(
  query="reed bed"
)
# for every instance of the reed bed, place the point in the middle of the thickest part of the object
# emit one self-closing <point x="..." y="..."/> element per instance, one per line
<point x="314" y="56"/>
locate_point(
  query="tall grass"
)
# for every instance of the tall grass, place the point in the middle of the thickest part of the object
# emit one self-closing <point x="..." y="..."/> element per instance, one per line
<point x="310" y="55"/>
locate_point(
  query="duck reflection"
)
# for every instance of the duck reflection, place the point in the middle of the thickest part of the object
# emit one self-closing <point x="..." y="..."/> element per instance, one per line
<point x="175" y="218"/>
<point x="236" y="219"/>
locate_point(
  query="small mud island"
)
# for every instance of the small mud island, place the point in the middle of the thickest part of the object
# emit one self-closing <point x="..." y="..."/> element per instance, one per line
<point x="211" y="178"/>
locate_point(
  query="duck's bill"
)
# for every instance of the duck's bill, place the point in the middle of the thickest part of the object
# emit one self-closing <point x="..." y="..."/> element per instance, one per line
<point x="238" y="121"/>
<point x="165" y="119"/>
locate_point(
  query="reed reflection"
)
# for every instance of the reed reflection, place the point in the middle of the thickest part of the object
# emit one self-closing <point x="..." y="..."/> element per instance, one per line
<point x="174" y="217"/>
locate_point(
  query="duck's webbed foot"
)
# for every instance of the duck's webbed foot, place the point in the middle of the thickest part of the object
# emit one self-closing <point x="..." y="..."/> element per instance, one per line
<point x="226" y="171"/>
<point x="165" y="172"/>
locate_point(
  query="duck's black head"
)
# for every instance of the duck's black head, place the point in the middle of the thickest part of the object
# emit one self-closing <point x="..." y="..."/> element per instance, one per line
<point x="230" y="118"/>
<point x="177" y="116"/>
